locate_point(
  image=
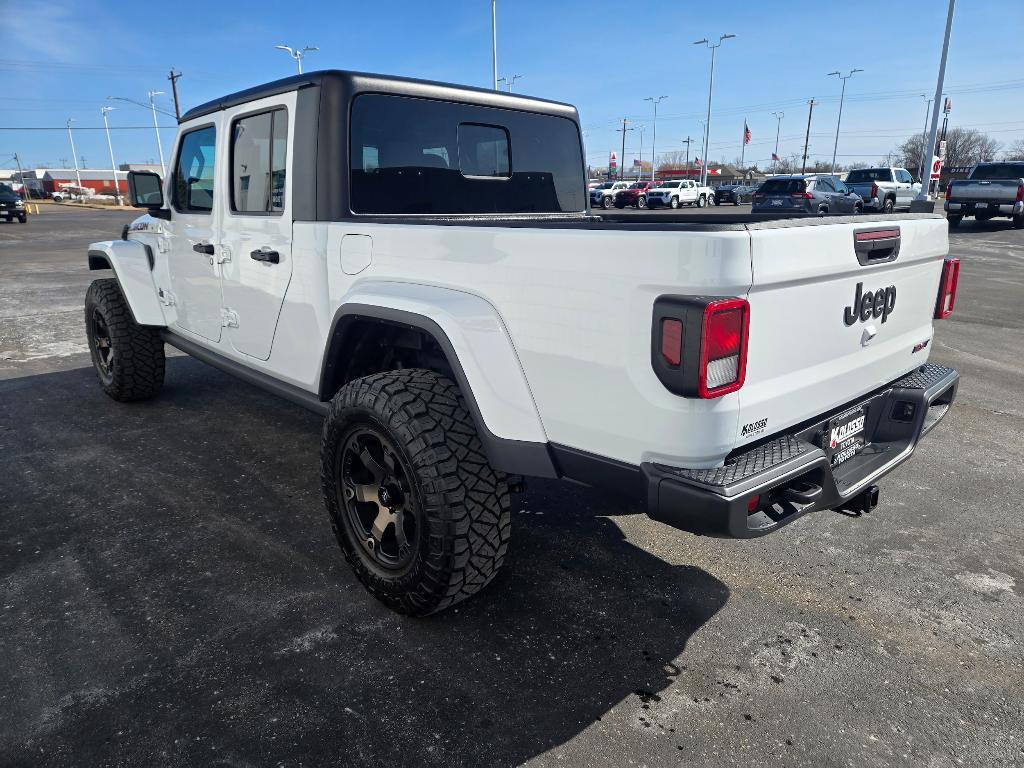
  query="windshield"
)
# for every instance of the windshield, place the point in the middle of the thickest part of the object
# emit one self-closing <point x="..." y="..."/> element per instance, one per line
<point x="670" y="185"/>
<point x="638" y="185"/>
<point x="606" y="185"/>
<point x="868" y="174"/>
<point x="783" y="186"/>
<point x="999" y="171"/>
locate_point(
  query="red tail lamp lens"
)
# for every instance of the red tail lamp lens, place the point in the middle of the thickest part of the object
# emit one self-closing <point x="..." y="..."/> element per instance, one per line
<point x="947" y="289"/>
<point x="724" y="347"/>
<point x="672" y="341"/>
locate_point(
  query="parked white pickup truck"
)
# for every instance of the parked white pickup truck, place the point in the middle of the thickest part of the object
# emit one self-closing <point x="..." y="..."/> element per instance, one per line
<point x="990" y="190"/>
<point x="417" y="262"/>
<point x="681" y="192"/>
<point x="883" y="189"/>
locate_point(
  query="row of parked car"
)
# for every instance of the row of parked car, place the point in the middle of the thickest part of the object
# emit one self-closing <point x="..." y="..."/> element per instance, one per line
<point x="876" y="189"/>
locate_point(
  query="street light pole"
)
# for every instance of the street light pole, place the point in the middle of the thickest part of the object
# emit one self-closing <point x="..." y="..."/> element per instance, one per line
<point x="711" y="85"/>
<point x="156" y="127"/>
<point x="924" y="134"/>
<point x="110" y="147"/>
<point x="686" y="141"/>
<point x="297" y="54"/>
<point x="842" y="95"/>
<point x="778" y="127"/>
<point x="807" y="138"/>
<point x="74" y="156"/>
<point x="622" y="157"/>
<point x="654" y="128"/>
<point x="928" y="150"/>
<point x="494" y="42"/>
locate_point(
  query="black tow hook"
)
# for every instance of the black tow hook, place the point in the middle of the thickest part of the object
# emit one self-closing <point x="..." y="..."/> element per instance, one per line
<point x="865" y="501"/>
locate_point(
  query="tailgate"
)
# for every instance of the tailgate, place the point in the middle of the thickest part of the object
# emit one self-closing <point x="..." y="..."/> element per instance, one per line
<point x="809" y="350"/>
<point x="1004" y="191"/>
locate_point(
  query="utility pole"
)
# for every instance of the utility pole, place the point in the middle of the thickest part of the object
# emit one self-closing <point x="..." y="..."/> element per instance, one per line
<point x="297" y="54"/>
<point x="807" y="138"/>
<point x="929" y="149"/>
<point x="778" y="127"/>
<point x="640" y="155"/>
<point x="654" y="128"/>
<point x="113" y="165"/>
<point x="74" y="156"/>
<point x="835" y="147"/>
<point x="622" y="157"/>
<point x="173" y="77"/>
<point x="494" y="41"/>
<point x="686" y="141"/>
<point x="509" y="81"/>
<point x="711" y="85"/>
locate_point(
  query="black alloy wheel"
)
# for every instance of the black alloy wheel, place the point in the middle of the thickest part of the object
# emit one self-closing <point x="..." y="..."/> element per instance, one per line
<point x="102" y="348"/>
<point x="378" y="498"/>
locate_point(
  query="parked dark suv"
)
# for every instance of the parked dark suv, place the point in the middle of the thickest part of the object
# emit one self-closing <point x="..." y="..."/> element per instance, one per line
<point x="635" y="194"/>
<point x="11" y="205"/>
<point x="814" y="194"/>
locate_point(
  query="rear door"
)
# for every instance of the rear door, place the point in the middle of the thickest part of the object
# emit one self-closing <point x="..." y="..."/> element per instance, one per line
<point x="257" y="221"/>
<point x="811" y="347"/>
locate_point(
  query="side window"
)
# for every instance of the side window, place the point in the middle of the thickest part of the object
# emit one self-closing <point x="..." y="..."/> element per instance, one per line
<point x="824" y="184"/>
<point x="193" y="173"/>
<point x="840" y="186"/>
<point x="483" y="151"/>
<point x="904" y="176"/>
<point x="258" y="156"/>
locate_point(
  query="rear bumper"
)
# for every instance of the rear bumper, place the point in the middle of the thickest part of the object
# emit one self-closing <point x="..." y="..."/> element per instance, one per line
<point x="992" y="209"/>
<point x="791" y="475"/>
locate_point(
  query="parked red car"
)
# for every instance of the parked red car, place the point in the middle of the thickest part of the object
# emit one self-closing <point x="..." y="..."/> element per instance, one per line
<point x="635" y="194"/>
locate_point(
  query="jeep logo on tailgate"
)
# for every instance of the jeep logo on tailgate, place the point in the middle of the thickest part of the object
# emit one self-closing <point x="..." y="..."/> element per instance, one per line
<point x="878" y="304"/>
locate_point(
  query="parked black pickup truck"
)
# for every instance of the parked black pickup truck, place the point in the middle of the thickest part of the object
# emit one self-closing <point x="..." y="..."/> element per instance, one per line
<point x="991" y="190"/>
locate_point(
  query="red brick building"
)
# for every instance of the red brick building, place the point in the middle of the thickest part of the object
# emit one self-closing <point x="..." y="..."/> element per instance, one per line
<point x="100" y="182"/>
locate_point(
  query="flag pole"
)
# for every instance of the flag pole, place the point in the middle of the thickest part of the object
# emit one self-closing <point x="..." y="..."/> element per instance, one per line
<point x="743" y="144"/>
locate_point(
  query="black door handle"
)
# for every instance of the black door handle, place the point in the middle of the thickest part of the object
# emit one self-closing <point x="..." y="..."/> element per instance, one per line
<point x="273" y="257"/>
<point x="206" y="248"/>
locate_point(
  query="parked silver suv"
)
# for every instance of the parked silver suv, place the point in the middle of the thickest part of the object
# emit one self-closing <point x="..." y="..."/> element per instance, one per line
<point x="814" y="194"/>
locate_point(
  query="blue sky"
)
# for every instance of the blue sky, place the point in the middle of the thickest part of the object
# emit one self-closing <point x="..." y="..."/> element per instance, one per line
<point x="62" y="59"/>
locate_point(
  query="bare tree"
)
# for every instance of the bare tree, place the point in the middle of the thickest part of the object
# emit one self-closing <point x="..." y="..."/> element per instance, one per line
<point x="1015" y="151"/>
<point x="964" y="146"/>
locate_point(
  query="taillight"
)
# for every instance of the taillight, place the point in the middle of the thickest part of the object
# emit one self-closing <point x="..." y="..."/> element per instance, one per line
<point x="672" y="341"/>
<point x="723" y="360"/>
<point x="1020" y="193"/>
<point x="947" y="289"/>
<point x="949" y="191"/>
<point x="699" y="344"/>
<point x="803" y="195"/>
<point x="874" y="190"/>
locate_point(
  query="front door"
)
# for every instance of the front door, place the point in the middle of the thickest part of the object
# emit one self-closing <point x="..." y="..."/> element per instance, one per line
<point x="905" y="192"/>
<point x="257" y="222"/>
<point x="193" y="236"/>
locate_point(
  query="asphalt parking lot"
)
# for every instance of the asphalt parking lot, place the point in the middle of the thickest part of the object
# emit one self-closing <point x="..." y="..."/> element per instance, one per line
<point x="171" y="592"/>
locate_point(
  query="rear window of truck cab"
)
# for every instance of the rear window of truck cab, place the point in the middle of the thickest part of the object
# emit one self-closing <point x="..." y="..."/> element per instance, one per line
<point x="420" y="156"/>
<point x="999" y="171"/>
<point x="862" y="175"/>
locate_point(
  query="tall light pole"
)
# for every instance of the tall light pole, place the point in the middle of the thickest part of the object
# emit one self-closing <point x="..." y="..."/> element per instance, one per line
<point x="842" y="95"/>
<point x="74" y="156"/>
<point x="297" y="54"/>
<point x="110" y="147"/>
<point x="778" y="127"/>
<point x="711" y="85"/>
<point x="924" y="133"/>
<point x="654" y="128"/>
<point x="928" y="150"/>
<point x="686" y="141"/>
<point x="807" y="138"/>
<point x="156" y="127"/>
<point x="494" y="41"/>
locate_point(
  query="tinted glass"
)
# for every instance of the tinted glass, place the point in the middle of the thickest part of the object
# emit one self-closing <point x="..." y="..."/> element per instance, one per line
<point x="412" y="155"/>
<point x="904" y="177"/>
<point x="825" y="184"/>
<point x="840" y="187"/>
<point x="193" y="173"/>
<point x="999" y="171"/>
<point x="258" y="162"/>
<point x="868" y="174"/>
<point x="783" y="186"/>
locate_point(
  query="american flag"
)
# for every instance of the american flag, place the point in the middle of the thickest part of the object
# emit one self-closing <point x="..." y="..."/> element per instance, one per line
<point x="746" y="133"/>
<point x="775" y="157"/>
<point x="697" y="162"/>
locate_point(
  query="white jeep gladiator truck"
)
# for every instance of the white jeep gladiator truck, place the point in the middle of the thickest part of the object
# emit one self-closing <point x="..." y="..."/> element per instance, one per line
<point x="418" y="262"/>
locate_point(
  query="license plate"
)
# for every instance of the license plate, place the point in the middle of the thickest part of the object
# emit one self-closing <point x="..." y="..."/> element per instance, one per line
<point x="845" y="436"/>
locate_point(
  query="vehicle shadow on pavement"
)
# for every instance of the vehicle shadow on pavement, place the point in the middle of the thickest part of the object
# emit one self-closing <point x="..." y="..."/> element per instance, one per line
<point x="172" y="594"/>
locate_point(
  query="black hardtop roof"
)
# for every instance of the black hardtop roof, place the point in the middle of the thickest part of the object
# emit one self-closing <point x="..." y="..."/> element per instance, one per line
<point x="359" y="82"/>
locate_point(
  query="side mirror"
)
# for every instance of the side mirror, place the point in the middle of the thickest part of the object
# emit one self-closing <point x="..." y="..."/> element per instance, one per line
<point x="145" y="189"/>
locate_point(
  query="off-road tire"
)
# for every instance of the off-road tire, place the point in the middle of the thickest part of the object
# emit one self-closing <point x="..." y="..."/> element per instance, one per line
<point x="889" y="205"/>
<point x="137" y="351"/>
<point x="23" y="218"/>
<point x="462" y="505"/>
<point x="954" y="221"/>
<point x="701" y="201"/>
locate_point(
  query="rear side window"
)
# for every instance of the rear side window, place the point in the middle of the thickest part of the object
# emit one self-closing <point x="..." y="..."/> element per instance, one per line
<point x="1000" y="171"/>
<point x="193" y="172"/>
<point x="258" y="147"/>
<point x="783" y="186"/>
<point x="862" y="175"/>
<point x="420" y="156"/>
